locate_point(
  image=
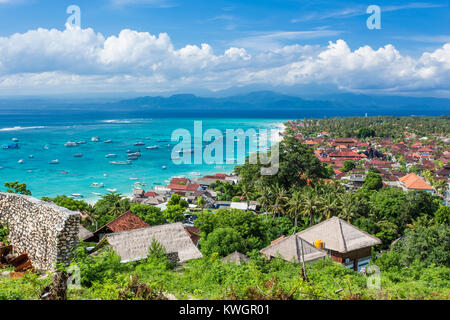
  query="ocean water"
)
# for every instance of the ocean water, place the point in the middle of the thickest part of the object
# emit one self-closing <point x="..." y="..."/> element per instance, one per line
<point x="73" y="175"/>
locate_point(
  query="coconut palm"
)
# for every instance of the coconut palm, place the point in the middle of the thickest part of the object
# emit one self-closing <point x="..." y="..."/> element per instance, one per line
<point x="265" y="197"/>
<point x="347" y="207"/>
<point x="328" y="205"/>
<point x="201" y="203"/>
<point x="280" y="195"/>
<point x="295" y="207"/>
<point x="310" y="203"/>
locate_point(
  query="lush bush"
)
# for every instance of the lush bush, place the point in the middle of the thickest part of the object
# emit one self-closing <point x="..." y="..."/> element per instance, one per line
<point x="174" y="213"/>
<point x="424" y="247"/>
<point x="29" y="287"/>
<point x="223" y="241"/>
<point x="4" y="233"/>
<point x="150" y="214"/>
<point x="98" y="267"/>
<point x="69" y="203"/>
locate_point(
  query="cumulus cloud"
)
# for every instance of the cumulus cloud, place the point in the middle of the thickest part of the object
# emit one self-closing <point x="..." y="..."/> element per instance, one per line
<point x="81" y="60"/>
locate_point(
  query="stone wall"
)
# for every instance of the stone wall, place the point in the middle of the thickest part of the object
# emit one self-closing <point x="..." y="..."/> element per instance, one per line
<point x="46" y="232"/>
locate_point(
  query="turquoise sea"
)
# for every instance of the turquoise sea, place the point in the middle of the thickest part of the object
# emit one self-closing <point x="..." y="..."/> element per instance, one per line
<point x="75" y="175"/>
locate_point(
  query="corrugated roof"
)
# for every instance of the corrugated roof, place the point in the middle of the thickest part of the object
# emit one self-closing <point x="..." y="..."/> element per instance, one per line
<point x="339" y="235"/>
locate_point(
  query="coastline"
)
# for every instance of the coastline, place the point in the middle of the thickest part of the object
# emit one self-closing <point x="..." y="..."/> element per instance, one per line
<point x="275" y="137"/>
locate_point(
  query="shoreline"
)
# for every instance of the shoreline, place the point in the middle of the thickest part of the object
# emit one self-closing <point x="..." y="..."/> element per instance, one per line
<point x="275" y="137"/>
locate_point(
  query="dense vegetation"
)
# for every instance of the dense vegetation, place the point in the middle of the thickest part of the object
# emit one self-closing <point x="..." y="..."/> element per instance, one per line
<point x="414" y="257"/>
<point x="382" y="127"/>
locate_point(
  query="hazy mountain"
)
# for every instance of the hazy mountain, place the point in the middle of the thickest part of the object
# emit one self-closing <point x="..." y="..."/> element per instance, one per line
<point x="253" y="104"/>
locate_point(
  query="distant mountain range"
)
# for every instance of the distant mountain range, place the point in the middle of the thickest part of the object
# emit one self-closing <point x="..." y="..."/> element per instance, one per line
<point x="274" y="103"/>
<point x="257" y="104"/>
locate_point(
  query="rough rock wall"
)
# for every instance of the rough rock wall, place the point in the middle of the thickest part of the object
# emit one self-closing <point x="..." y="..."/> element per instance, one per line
<point x="46" y="232"/>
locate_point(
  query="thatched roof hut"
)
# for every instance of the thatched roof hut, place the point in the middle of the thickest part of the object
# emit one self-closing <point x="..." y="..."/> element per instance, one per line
<point x="84" y="233"/>
<point x="294" y="248"/>
<point x="235" y="257"/>
<point x="339" y="235"/>
<point x="133" y="245"/>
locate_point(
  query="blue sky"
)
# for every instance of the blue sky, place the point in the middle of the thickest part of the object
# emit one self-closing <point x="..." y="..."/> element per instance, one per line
<point x="289" y="35"/>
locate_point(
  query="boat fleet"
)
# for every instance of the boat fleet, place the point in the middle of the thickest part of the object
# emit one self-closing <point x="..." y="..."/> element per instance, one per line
<point x="132" y="155"/>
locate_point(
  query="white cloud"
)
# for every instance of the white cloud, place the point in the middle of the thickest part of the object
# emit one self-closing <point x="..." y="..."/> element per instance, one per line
<point x="360" y="10"/>
<point x="81" y="60"/>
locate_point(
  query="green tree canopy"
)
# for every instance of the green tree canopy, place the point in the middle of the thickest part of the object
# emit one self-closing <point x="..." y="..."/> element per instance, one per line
<point x="223" y="241"/>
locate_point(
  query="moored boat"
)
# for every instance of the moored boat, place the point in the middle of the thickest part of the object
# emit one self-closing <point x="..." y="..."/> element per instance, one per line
<point x="121" y="162"/>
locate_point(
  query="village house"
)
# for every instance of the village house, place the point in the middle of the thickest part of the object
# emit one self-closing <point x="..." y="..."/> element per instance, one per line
<point x="133" y="245"/>
<point x="293" y="249"/>
<point x="343" y="242"/>
<point x="413" y="182"/>
<point x="126" y="221"/>
<point x="235" y="257"/>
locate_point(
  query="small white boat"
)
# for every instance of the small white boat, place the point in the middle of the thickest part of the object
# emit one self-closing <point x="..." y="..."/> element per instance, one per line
<point x="71" y="144"/>
<point x="120" y="162"/>
<point x="15" y="139"/>
<point x="20" y="161"/>
<point x="81" y="142"/>
<point x="152" y="148"/>
<point x="164" y="167"/>
<point x="111" y="190"/>
<point x="105" y="175"/>
<point x="98" y="185"/>
<point x="139" y="144"/>
<point x="95" y="139"/>
<point x="135" y="154"/>
<point x="96" y="194"/>
<point x="46" y="147"/>
<point x="54" y="161"/>
<point x="111" y="155"/>
<point x="31" y="156"/>
<point x="140" y="184"/>
<point x="108" y="141"/>
<point x="78" y="155"/>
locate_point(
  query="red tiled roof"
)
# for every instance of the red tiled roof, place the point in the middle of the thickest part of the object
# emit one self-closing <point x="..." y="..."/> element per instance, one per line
<point x="345" y="154"/>
<point x="193" y="233"/>
<point x="179" y="181"/>
<point x="412" y="181"/>
<point x="150" y="194"/>
<point x="127" y="221"/>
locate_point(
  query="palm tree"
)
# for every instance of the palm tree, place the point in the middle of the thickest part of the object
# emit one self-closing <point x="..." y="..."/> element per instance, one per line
<point x="265" y="197"/>
<point x="201" y="203"/>
<point x="295" y="207"/>
<point x="347" y="206"/>
<point x="310" y="205"/>
<point x="280" y="195"/>
<point x="245" y="191"/>
<point x="328" y="205"/>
